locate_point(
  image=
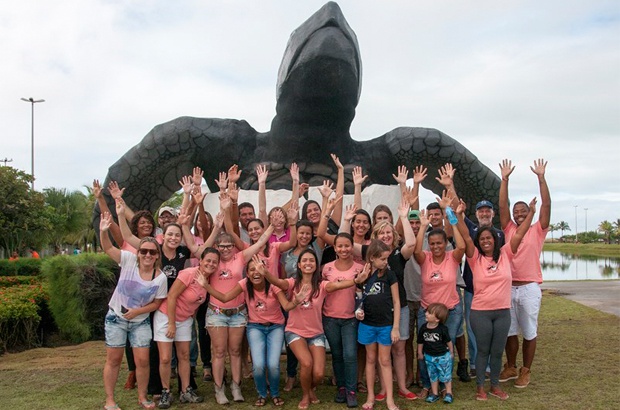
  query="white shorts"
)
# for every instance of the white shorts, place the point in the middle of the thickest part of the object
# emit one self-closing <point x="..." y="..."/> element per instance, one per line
<point x="524" y="309"/>
<point x="160" y="327"/>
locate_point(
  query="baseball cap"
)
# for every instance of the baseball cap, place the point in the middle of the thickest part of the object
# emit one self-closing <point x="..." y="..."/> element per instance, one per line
<point x="413" y="215"/>
<point x="484" y="203"/>
<point x="168" y="209"/>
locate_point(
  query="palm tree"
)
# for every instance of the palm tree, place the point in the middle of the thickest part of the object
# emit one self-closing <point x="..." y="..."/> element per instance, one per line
<point x="552" y="228"/>
<point x="607" y="228"/>
<point x="563" y="226"/>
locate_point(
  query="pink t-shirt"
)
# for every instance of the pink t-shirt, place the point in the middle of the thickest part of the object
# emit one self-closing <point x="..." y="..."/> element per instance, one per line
<point x="492" y="281"/>
<point x="306" y="319"/>
<point x="198" y="242"/>
<point x="340" y="304"/>
<point x="439" y="281"/>
<point x="285" y="237"/>
<point x="526" y="261"/>
<point x="263" y="308"/>
<point x="272" y="262"/>
<point x="227" y="276"/>
<point x="188" y="301"/>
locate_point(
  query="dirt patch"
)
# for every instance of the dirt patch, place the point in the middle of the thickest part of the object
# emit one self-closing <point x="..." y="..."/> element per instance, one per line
<point x="58" y="358"/>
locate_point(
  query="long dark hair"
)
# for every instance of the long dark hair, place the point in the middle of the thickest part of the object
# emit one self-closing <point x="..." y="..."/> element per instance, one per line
<point x="367" y="215"/>
<point x="250" y="285"/>
<point x="316" y="276"/>
<point x="262" y="225"/>
<point x="304" y="209"/>
<point x="496" y="245"/>
<point x="133" y="225"/>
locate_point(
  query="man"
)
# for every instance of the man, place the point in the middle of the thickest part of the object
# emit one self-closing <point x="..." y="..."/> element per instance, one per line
<point x="484" y="215"/>
<point x="526" y="273"/>
<point x="246" y="214"/>
<point x="413" y="289"/>
<point x="165" y="216"/>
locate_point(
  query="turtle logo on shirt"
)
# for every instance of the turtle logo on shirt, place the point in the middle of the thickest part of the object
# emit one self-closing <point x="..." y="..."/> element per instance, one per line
<point x="306" y="304"/>
<point x="170" y="271"/>
<point x="260" y="305"/>
<point x="436" y="276"/>
<point x="492" y="268"/>
<point x="225" y="274"/>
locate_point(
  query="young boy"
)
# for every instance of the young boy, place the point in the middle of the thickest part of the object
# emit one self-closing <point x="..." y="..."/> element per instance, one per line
<point x="435" y="346"/>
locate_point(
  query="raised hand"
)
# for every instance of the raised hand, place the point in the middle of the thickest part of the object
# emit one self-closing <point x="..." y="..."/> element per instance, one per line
<point x="293" y="213"/>
<point x="261" y="173"/>
<point x="225" y="201"/>
<point x="403" y="208"/>
<point x="401" y="178"/>
<point x="233" y="191"/>
<point x="105" y="222"/>
<point x="419" y="174"/>
<point x="294" y="172"/>
<point x="234" y="173"/>
<point x="410" y="197"/>
<point x="96" y="189"/>
<point x="183" y="217"/>
<point x="219" y="220"/>
<point x="336" y="161"/>
<point x="276" y="217"/>
<point x="446" y="175"/>
<point x="533" y="204"/>
<point x="461" y="208"/>
<point x="222" y="181"/>
<point x="197" y="176"/>
<point x="506" y="168"/>
<point x="114" y="190"/>
<point x="539" y="167"/>
<point x="446" y="199"/>
<point x="198" y="195"/>
<point x="358" y="178"/>
<point x="186" y="184"/>
<point x="303" y="293"/>
<point x="326" y="189"/>
<point x="303" y="188"/>
<point x="423" y="218"/>
<point x="363" y="275"/>
<point x="349" y="213"/>
<point x="120" y="207"/>
<point x="260" y="265"/>
<point x="331" y="204"/>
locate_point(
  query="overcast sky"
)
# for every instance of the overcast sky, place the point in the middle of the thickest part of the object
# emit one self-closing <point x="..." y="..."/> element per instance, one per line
<point x="509" y="79"/>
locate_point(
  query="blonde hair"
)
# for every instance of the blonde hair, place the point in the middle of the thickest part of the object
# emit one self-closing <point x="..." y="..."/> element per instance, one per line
<point x="150" y="239"/>
<point x="381" y="226"/>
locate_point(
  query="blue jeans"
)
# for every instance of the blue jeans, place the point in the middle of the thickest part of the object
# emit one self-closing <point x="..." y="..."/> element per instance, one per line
<point x="342" y="337"/>
<point x="454" y="324"/>
<point x="266" y="345"/>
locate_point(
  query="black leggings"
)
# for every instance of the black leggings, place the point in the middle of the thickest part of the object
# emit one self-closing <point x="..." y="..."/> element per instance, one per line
<point x="491" y="330"/>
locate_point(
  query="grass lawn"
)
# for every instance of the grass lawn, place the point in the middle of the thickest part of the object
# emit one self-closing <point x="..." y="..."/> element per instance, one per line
<point x="576" y="367"/>
<point x="585" y="249"/>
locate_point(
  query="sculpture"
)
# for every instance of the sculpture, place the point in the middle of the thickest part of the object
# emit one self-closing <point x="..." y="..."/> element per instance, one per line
<point x="318" y="88"/>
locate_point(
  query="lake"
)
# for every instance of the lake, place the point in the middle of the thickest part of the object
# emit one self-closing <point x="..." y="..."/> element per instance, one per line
<point x="563" y="266"/>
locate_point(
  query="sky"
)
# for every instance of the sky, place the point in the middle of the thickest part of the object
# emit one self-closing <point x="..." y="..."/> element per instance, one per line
<point x="512" y="79"/>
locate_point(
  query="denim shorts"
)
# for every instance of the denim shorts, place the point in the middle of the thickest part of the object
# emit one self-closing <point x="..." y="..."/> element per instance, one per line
<point x="117" y="329"/>
<point x="318" y="340"/>
<point x="221" y="320"/>
<point x="439" y="367"/>
<point x="367" y="335"/>
<point x="160" y="327"/>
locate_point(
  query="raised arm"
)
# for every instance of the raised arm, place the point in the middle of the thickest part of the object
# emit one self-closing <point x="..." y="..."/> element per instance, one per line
<point x="409" y="246"/>
<point x="225" y="209"/>
<point x="106" y="244"/>
<point x="256" y="247"/>
<point x="419" y="175"/>
<point x="459" y="249"/>
<point x="114" y="230"/>
<point x="117" y="193"/>
<point x="337" y="214"/>
<point x="294" y="171"/>
<point x="463" y="230"/>
<point x="539" y="168"/>
<point x="506" y="169"/>
<point x="446" y="178"/>
<point x="274" y="280"/>
<point x="401" y="179"/>
<point x="297" y="299"/>
<point x="262" y="174"/>
<point x="292" y="214"/>
<point x="522" y="229"/>
<point x="128" y="236"/>
<point x="224" y="297"/>
<point x="418" y="252"/>
<point x="197" y="250"/>
<point x="358" y="182"/>
<point x="326" y="213"/>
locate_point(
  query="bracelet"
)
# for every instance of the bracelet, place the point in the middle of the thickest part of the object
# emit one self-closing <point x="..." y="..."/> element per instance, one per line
<point x="327" y="217"/>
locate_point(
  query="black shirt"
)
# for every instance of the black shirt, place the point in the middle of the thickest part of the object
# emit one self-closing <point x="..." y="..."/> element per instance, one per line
<point x="434" y="341"/>
<point x="378" y="306"/>
<point x="172" y="267"/>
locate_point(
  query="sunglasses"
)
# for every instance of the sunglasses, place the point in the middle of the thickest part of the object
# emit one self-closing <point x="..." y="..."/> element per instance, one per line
<point x="151" y="252"/>
<point x="229" y="246"/>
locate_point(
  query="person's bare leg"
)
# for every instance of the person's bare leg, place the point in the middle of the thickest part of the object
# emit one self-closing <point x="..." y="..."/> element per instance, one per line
<point x="235" y="336"/>
<point x="318" y="370"/>
<point x="165" y="356"/>
<point x="529" y="349"/>
<point x="141" y="357"/>
<point x="183" y="364"/>
<point x="371" y="362"/>
<point x="219" y="344"/>
<point x="114" y="357"/>
<point x="303" y="355"/>
<point x="512" y="348"/>
<point x="385" y="361"/>
<point x="398" y="353"/>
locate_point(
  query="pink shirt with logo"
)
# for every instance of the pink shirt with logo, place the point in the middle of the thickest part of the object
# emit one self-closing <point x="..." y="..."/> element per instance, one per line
<point x="228" y="274"/>
<point x="272" y="262"/>
<point x="340" y="304"/>
<point x="439" y="281"/>
<point x="188" y="301"/>
<point x="263" y="308"/>
<point x="492" y="280"/>
<point x="306" y="319"/>
<point x="526" y="261"/>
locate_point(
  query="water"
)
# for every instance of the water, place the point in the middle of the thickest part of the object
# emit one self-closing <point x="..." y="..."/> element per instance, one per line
<point x="563" y="266"/>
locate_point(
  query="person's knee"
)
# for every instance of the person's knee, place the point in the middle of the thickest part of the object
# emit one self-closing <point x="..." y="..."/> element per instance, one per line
<point x="305" y="362"/>
<point x="317" y="376"/>
<point x="385" y="361"/>
<point x="142" y="361"/>
<point x="219" y="352"/>
<point x="114" y="361"/>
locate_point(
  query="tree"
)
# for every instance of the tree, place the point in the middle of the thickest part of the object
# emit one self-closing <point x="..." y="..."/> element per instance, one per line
<point x="23" y="218"/>
<point x="607" y="229"/>
<point x="563" y="226"/>
<point x="553" y="228"/>
<point x="69" y="214"/>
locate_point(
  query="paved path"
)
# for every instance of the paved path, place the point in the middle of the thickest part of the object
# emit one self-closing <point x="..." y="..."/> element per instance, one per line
<point x="603" y="295"/>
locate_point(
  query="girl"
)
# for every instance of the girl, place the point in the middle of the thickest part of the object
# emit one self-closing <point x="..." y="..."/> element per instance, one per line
<point x="140" y="290"/>
<point x="379" y="316"/>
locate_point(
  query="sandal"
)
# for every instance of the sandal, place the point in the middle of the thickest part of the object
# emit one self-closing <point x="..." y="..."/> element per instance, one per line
<point x="147" y="404"/>
<point x="260" y="402"/>
<point x="481" y="396"/>
<point x="112" y="407"/>
<point x="303" y="405"/>
<point x="393" y="408"/>
<point x="277" y="401"/>
<point x="361" y="387"/>
<point x="207" y="375"/>
<point x="368" y="406"/>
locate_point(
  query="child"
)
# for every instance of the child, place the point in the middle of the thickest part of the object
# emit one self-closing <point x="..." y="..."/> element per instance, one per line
<point x="379" y="318"/>
<point x="435" y="346"/>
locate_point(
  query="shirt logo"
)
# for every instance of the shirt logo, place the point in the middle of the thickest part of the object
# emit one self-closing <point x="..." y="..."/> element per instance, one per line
<point x="260" y="305"/>
<point x="170" y="271"/>
<point x="225" y="274"/>
<point x="436" y="276"/>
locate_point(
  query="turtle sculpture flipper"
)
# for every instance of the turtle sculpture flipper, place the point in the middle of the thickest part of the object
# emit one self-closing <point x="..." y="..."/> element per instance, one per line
<point x="319" y="85"/>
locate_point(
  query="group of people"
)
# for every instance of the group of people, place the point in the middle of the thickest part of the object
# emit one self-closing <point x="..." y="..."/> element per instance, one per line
<point x="326" y="276"/>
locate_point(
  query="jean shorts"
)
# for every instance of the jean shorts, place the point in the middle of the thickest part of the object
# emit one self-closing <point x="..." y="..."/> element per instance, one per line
<point x="367" y="335"/>
<point x="160" y="327"/>
<point x="117" y="329"/>
<point x="318" y="340"/>
<point x="221" y="320"/>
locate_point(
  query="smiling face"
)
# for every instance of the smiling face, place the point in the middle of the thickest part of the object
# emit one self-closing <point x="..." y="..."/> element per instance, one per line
<point x="343" y="248"/>
<point x="437" y="245"/>
<point x="209" y="263"/>
<point x="246" y="214"/>
<point x="254" y="275"/>
<point x="519" y="212"/>
<point x="361" y="225"/>
<point x="313" y="213"/>
<point x="166" y="218"/>
<point x="485" y="216"/>
<point x="148" y="254"/>
<point x="304" y="236"/>
<point x="487" y="243"/>
<point x="382" y="216"/>
<point x="172" y="237"/>
<point x="386" y="235"/>
<point x="307" y="264"/>
<point x="145" y="227"/>
<point x="255" y="230"/>
<point x="415" y="225"/>
<point x="435" y="217"/>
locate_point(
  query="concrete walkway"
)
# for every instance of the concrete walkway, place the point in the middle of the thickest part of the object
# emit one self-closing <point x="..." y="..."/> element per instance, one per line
<point x="603" y="295"/>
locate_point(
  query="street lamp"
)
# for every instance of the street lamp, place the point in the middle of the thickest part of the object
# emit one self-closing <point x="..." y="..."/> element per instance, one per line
<point x="586" y="209"/>
<point x="32" y="102"/>
<point x="576" y="223"/>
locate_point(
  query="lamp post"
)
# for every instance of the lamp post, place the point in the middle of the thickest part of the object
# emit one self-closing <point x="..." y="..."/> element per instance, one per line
<point x="576" y="223"/>
<point x="586" y="210"/>
<point x="32" y="102"/>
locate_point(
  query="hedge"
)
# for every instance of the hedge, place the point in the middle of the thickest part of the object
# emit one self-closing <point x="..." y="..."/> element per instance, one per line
<point x="20" y="267"/>
<point x="8" y="281"/>
<point x="80" y="288"/>
<point x="19" y="315"/>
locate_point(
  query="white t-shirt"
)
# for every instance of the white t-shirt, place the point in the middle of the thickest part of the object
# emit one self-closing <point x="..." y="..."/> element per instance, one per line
<point x="134" y="292"/>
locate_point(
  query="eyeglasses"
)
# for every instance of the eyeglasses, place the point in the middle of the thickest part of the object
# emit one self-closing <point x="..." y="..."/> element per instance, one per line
<point x="151" y="252"/>
<point x="226" y="247"/>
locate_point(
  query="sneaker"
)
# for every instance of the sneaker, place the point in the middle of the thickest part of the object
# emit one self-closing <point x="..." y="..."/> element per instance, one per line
<point x="432" y="398"/>
<point x="341" y="395"/>
<point x="448" y="399"/>
<point x="165" y="400"/>
<point x="509" y="373"/>
<point x="235" y="390"/>
<point x="351" y="399"/>
<point x="462" y="372"/>
<point x="524" y="378"/>
<point x="190" y="396"/>
<point x="220" y="394"/>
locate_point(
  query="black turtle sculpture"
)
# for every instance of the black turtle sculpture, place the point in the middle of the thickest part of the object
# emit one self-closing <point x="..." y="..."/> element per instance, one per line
<point x="319" y="85"/>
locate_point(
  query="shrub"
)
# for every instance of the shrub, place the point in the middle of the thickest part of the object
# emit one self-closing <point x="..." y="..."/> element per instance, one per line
<point x="8" y="281"/>
<point x="8" y="268"/>
<point x="19" y="315"/>
<point x="80" y="288"/>
<point x="20" y="267"/>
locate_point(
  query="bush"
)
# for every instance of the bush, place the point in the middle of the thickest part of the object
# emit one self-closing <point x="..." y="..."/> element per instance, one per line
<point x="80" y="288"/>
<point x="20" y="267"/>
<point x="19" y="315"/>
<point x="8" y="281"/>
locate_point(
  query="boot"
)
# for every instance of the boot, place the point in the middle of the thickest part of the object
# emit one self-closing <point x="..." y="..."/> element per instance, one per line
<point x="236" y="392"/>
<point x="131" y="381"/>
<point x="220" y="394"/>
<point x="462" y="370"/>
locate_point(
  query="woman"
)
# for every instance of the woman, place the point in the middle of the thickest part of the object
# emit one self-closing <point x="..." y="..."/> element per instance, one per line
<point x="141" y="288"/>
<point x="490" y="309"/>
<point x="304" y="329"/>
<point x="174" y="323"/>
<point x="265" y="327"/>
<point x="439" y="275"/>
<point x="339" y="320"/>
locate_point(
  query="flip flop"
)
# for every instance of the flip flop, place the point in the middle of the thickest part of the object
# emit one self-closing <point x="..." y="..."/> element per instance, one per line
<point x="277" y="401"/>
<point x="147" y="404"/>
<point x="112" y="407"/>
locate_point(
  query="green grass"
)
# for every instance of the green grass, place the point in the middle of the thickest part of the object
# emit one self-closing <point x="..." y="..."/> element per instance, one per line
<point x="576" y="367"/>
<point x="585" y="249"/>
